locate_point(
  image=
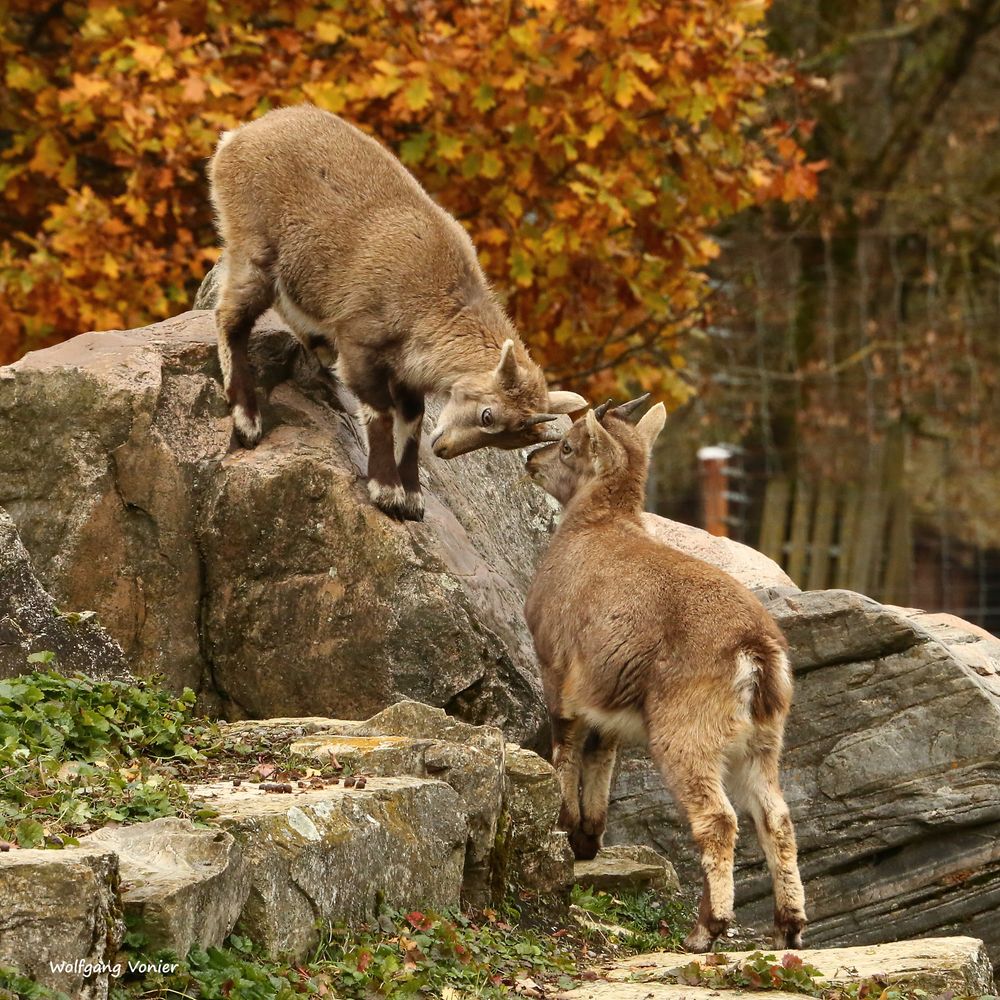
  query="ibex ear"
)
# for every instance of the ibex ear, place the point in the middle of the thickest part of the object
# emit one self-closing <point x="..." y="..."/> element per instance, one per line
<point x="561" y="401"/>
<point x="506" y="371"/>
<point x="604" y="449"/>
<point x="651" y="424"/>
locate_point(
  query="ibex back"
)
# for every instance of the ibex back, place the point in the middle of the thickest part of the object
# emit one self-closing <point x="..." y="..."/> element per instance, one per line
<point x="638" y="642"/>
<point x="325" y="224"/>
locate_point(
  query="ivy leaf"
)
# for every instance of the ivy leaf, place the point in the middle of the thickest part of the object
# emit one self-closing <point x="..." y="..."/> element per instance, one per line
<point x="29" y="833"/>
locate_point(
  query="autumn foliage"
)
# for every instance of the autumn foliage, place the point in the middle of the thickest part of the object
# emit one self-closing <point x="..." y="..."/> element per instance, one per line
<point x="590" y="147"/>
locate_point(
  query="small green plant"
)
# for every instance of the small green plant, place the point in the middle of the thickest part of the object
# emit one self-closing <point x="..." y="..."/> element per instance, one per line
<point x="15" y="986"/>
<point x="76" y="753"/>
<point x="427" y="952"/>
<point x="651" y="921"/>
<point x="420" y="953"/>
<point x="756" y="972"/>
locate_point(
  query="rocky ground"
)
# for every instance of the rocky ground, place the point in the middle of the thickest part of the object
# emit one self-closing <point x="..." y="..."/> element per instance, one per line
<point x="266" y="582"/>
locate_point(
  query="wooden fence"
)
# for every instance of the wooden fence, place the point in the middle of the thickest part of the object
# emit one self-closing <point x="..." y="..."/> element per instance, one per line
<point x="826" y="535"/>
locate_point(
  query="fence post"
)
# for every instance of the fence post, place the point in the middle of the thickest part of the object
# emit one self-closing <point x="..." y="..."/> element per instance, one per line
<point x="715" y="503"/>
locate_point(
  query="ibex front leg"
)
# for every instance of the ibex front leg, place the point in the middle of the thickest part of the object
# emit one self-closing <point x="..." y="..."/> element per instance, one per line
<point x="377" y="415"/>
<point x="407" y="428"/>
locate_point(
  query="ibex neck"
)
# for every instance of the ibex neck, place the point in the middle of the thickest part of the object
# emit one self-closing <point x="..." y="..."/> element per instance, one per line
<point x="468" y="342"/>
<point x="602" y="502"/>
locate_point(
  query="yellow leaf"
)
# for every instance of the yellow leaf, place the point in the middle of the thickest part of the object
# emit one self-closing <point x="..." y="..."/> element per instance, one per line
<point x="90" y="86"/>
<point x="147" y="56"/>
<point x="491" y="166"/>
<point x="708" y="247"/>
<point x="417" y="94"/>
<point x="515" y="81"/>
<point x="21" y="77"/>
<point x="513" y="205"/>
<point x="625" y="88"/>
<point x="48" y="158"/>
<point x="328" y="96"/>
<point x="329" y="32"/>
<point x="110" y="266"/>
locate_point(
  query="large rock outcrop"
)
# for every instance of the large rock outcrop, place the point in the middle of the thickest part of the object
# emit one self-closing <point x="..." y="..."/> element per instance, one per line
<point x="265" y="579"/>
<point x="890" y="770"/>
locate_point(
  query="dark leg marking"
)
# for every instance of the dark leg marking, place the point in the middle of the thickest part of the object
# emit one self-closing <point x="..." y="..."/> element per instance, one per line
<point x="409" y="418"/>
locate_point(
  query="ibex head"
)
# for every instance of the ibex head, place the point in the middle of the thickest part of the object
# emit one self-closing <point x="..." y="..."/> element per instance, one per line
<point x="603" y="445"/>
<point x="509" y="408"/>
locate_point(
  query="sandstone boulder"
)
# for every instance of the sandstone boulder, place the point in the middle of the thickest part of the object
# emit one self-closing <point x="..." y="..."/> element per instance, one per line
<point x="889" y="771"/>
<point x="265" y="580"/>
<point x="752" y="568"/>
<point x="332" y="854"/>
<point x="627" y="868"/>
<point x="509" y="796"/>
<point x="183" y="885"/>
<point x="535" y="857"/>
<point x="30" y="622"/>
<point x="60" y="918"/>
<point x="413" y="739"/>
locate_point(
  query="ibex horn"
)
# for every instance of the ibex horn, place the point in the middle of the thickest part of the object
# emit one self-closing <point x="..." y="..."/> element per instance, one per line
<point x="599" y="411"/>
<point x="540" y="418"/>
<point x="633" y="404"/>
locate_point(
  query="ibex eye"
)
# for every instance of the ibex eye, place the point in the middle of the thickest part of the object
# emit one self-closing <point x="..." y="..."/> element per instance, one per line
<point x="567" y="448"/>
<point x="487" y="417"/>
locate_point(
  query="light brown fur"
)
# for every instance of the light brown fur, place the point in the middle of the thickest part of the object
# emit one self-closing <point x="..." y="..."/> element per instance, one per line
<point x="640" y="642"/>
<point x="326" y="225"/>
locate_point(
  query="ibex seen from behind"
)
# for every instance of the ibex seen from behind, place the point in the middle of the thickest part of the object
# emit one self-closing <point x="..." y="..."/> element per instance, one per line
<point x="323" y="223"/>
<point x="639" y="642"/>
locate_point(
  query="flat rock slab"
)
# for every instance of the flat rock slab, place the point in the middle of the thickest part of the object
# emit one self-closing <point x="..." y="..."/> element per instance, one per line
<point x="627" y="868"/>
<point x="60" y="917"/>
<point x="328" y="854"/>
<point x="184" y="885"/>
<point x="959" y="964"/>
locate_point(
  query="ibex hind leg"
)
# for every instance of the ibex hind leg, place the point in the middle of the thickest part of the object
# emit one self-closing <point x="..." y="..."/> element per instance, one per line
<point x="600" y="751"/>
<point x="247" y="291"/>
<point x="691" y="765"/>
<point x="567" y="747"/>
<point x="756" y="782"/>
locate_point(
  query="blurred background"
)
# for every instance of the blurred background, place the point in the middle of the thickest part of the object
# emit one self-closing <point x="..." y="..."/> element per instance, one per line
<point x="783" y="220"/>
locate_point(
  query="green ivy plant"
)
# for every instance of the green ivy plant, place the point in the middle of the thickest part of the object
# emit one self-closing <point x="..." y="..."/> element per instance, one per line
<point x="76" y="753"/>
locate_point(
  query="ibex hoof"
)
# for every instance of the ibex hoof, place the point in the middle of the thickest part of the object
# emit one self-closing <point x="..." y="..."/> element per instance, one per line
<point x="585" y="845"/>
<point x="699" y="940"/>
<point x="247" y="429"/>
<point x="788" y="928"/>
<point x="395" y="502"/>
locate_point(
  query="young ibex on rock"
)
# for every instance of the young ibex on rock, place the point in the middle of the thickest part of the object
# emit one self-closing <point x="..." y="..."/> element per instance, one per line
<point x="639" y="642"/>
<point x="326" y="225"/>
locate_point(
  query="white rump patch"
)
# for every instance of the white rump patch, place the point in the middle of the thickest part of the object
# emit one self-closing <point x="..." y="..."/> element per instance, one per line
<point x="746" y="678"/>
